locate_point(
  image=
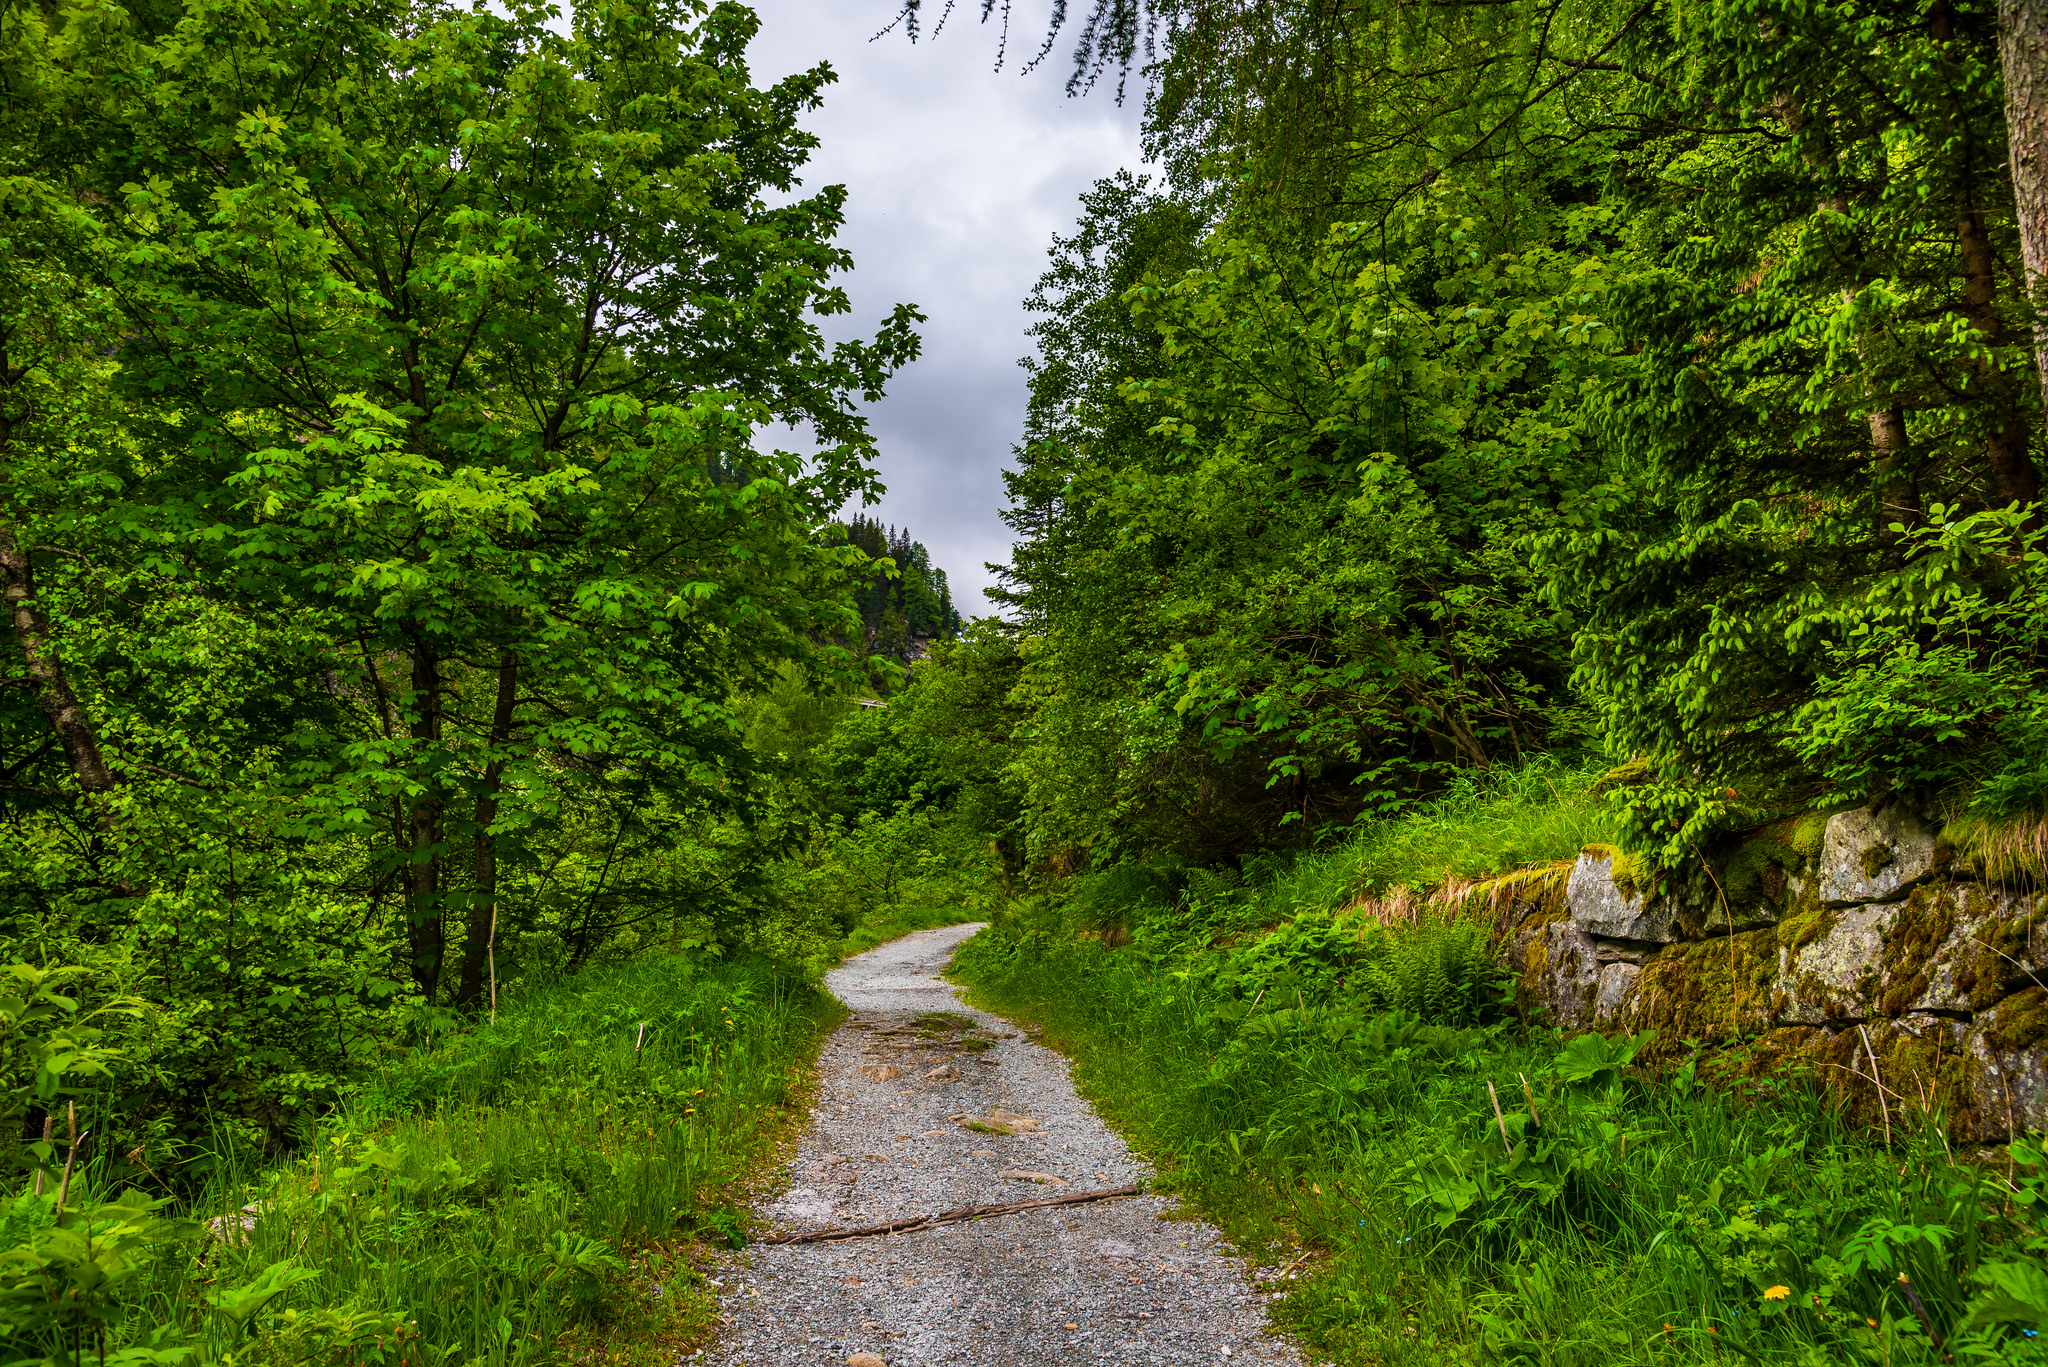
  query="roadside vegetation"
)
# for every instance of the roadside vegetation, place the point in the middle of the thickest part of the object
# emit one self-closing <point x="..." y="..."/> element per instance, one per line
<point x="448" y="741"/>
<point x="533" y="1188"/>
<point x="1334" y="1070"/>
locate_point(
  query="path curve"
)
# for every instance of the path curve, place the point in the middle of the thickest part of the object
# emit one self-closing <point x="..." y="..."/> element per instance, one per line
<point x="1110" y="1281"/>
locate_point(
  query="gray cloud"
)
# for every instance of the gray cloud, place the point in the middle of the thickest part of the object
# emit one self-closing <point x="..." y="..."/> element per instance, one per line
<point x="958" y="177"/>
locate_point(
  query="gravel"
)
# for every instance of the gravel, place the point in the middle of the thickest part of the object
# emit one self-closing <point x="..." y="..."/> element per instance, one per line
<point x="1110" y="1281"/>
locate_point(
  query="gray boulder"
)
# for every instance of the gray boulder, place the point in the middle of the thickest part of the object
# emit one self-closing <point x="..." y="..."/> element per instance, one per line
<point x="1601" y="908"/>
<point x="1874" y="855"/>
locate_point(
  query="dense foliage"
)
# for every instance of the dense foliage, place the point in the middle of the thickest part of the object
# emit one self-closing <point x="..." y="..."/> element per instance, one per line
<point x="385" y="534"/>
<point x="1490" y="379"/>
<point x="906" y="604"/>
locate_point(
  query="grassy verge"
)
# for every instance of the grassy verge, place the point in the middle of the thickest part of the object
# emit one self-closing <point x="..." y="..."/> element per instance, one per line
<point x="895" y="922"/>
<point x="1346" y="1097"/>
<point x="530" y="1191"/>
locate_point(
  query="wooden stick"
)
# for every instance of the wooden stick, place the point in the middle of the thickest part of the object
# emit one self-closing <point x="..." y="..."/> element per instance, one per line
<point x="1503" y="1120"/>
<point x="491" y="953"/>
<point x="947" y="1217"/>
<point x="50" y="1128"/>
<point x="1877" y="1078"/>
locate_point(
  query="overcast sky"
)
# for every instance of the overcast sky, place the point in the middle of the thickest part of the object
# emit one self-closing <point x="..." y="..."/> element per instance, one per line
<point x="958" y="177"/>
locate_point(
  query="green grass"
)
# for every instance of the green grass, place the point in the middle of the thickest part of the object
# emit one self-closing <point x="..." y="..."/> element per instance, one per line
<point x="892" y="923"/>
<point x="523" y="1192"/>
<point x="1483" y="824"/>
<point x="1640" y="1223"/>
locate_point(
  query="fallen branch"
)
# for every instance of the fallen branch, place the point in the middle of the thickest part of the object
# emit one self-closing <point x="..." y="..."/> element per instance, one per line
<point x="948" y="1217"/>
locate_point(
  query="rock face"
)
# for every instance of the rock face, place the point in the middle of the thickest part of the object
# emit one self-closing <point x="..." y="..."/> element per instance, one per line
<point x="1601" y="906"/>
<point x="1873" y="855"/>
<point x="1820" y="944"/>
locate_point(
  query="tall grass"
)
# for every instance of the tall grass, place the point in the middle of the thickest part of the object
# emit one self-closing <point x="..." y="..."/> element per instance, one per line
<point x="1316" y="1050"/>
<point x="1482" y="824"/>
<point x="1571" y="1215"/>
<point x="519" y="1193"/>
<point x="1537" y="815"/>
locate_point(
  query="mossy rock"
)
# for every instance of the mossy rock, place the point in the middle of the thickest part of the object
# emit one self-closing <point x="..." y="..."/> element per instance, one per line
<point x="1718" y="990"/>
<point x="1629" y="774"/>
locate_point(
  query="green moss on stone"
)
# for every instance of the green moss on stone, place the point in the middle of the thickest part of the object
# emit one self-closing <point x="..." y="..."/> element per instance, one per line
<point x="1630" y="874"/>
<point x="1716" y="990"/>
<point x="2021" y="1021"/>
<point x="1918" y="930"/>
<point x="1810" y="832"/>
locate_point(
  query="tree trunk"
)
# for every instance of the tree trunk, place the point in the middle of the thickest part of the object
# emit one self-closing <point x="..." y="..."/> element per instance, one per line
<point x="1898" y="497"/>
<point x="53" y="691"/>
<point x="2009" y="468"/>
<point x="2023" y="56"/>
<point x="423" y="884"/>
<point x="484" y="896"/>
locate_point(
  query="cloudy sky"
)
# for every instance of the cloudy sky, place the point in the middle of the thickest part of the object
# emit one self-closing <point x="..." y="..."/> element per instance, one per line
<point x="959" y="175"/>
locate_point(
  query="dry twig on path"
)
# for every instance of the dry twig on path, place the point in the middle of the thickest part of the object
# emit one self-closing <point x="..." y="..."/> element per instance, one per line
<point x="948" y="1217"/>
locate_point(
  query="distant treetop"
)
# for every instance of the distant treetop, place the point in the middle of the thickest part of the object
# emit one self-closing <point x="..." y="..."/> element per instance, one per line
<point x="902" y="612"/>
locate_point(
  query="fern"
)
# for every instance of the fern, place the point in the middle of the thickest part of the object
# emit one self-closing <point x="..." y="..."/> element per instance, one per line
<point x="1442" y="971"/>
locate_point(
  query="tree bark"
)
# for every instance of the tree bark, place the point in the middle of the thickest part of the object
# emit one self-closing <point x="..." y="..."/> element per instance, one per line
<point x="423" y="883"/>
<point x="67" y="715"/>
<point x="2023" y="57"/>
<point x="1898" y="497"/>
<point x="2009" y="468"/>
<point x="484" y="895"/>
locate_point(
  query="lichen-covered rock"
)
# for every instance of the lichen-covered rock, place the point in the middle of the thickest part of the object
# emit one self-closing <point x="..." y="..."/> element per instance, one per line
<point x="1835" y="976"/>
<point x="1603" y="907"/>
<point x="1611" y="989"/>
<point x="1560" y="973"/>
<point x="1748" y="916"/>
<point x="1962" y="947"/>
<point x="1874" y="855"/>
<point x="2009" y="1044"/>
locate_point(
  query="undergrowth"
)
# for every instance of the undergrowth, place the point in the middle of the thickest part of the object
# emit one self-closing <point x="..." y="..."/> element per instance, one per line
<point x="1480" y="825"/>
<point x="523" y="1192"/>
<point x="1343" y="1089"/>
<point x="1539" y="814"/>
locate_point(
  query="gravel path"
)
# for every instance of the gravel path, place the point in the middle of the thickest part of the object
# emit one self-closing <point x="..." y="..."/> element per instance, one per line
<point x="1109" y="1281"/>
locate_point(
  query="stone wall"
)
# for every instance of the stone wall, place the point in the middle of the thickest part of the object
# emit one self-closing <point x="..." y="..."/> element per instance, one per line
<point x="1852" y="946"/>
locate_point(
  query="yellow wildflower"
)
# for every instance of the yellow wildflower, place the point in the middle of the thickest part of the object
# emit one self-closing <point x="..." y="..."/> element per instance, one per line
<point x="1776" y="1293"/>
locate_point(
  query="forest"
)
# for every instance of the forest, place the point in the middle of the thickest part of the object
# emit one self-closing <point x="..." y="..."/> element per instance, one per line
<point x="1496" y="442"/>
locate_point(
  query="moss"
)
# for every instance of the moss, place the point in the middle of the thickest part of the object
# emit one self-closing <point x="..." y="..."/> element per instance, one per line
<point x="2021" y="1021"/>
<point x="1630" y="774"/>
<point x="1716" y="990"/>
<point x="1876" y="859"/>
<point x="1630" y="873"/>
<point x="1810" y="832"/>
<point x="1918" y="930"/>
<point x="1758" y="873"/>
<point x="1999" y="948"/>
<point x="1806" y="920"/>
